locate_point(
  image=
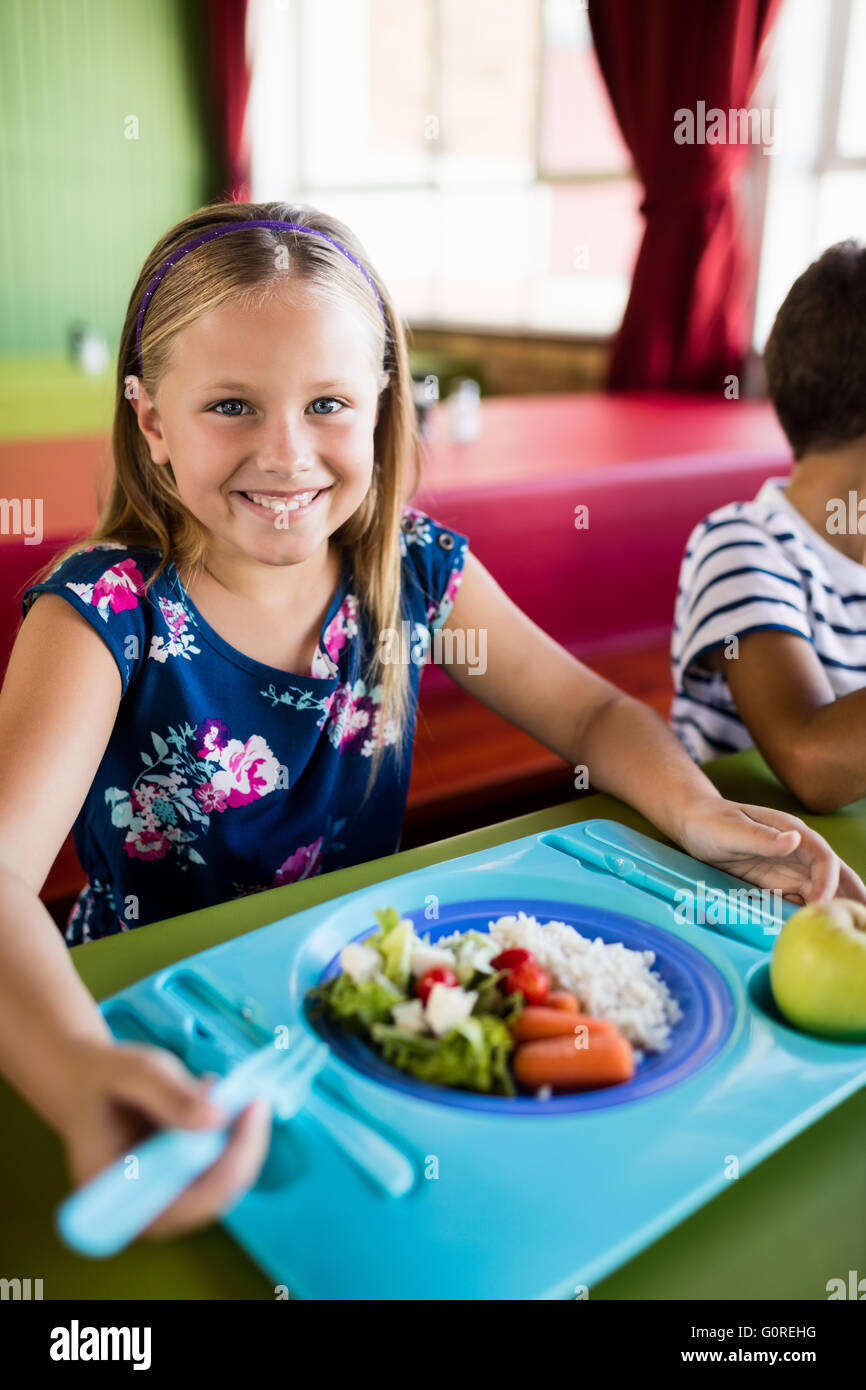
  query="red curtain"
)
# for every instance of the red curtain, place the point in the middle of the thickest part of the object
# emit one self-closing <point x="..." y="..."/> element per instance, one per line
<point x="229" y="80"/>
<point x="687" y="322"/>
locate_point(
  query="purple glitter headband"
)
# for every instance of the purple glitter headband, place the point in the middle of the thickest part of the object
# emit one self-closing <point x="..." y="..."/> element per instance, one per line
<point x="223" y="231"/>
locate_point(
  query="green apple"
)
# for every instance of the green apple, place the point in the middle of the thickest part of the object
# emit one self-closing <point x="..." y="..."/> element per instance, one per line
<point x="818" y="969"/>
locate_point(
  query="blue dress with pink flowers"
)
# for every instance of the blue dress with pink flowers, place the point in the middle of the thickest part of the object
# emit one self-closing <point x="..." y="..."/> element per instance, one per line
<point x="224" y="776"/>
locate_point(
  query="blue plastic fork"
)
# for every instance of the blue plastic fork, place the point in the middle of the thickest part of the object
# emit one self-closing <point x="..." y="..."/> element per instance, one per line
<point x="106" y="1214"/>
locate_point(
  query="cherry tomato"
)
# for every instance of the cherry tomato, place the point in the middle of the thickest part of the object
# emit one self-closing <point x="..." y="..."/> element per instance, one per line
<point x="529" y="978"/>
<point x="439" y="975"/>
<point x="507" y="960"/>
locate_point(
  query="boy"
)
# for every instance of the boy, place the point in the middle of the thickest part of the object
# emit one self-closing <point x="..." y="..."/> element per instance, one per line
<point x="769" y="643"/>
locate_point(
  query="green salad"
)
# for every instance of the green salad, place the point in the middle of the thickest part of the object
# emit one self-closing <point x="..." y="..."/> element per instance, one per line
<point x="433" y="1010"/>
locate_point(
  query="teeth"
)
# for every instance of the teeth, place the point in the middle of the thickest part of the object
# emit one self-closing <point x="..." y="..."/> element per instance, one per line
<point x="279" y="504"/>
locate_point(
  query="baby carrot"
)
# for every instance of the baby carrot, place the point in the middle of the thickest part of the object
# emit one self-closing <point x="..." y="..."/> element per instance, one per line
<point x="540" y="1021"/>
<point x="606" y="1060"/>
<point x="562" y="999"/>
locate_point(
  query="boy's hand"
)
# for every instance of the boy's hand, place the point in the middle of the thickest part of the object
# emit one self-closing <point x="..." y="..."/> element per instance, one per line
<point x="768" y="848"/>
<point x="124" y="1092"/>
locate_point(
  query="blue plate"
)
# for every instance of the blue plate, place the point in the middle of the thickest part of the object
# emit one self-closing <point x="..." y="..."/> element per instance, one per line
<point x="698" y="987"/>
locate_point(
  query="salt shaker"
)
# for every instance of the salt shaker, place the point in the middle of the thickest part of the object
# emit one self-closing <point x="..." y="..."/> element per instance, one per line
<point x="465" y="410"/>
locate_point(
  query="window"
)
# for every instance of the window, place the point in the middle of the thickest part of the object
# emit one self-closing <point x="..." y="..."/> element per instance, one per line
<point x="816" y="192"/>
<point x="470" y="144"/>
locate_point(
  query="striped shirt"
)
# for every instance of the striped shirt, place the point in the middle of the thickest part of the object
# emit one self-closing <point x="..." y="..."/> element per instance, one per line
<point x="751" y="566"/>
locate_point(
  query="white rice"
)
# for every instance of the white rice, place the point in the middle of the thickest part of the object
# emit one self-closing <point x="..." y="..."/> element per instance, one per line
<point x="609" y="980"/>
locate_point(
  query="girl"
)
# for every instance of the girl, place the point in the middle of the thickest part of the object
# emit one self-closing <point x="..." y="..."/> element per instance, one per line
<point x="208" y="688"/>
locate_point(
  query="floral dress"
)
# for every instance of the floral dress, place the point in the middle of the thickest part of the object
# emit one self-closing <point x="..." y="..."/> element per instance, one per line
<point x="224" y="776"/>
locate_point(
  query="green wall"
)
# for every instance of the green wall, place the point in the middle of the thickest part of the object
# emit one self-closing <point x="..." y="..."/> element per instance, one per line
<point x="80" y="204"/>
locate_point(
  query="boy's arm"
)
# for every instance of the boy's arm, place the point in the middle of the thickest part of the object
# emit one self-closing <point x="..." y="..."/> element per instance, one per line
<point x="813" y="741"/>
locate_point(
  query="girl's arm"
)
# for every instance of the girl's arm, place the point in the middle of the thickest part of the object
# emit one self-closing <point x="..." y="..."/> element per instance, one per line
<point x="629" y="750"/>
<point x="58" y="705"/>
<point x="811" y="738"/>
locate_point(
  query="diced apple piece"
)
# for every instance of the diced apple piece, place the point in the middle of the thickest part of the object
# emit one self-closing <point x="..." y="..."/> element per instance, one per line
<point x="426" y="957"/>
<point x="410" y="1016"/>
<point x="360" y="962"/>
<point x="448" y="1005"/>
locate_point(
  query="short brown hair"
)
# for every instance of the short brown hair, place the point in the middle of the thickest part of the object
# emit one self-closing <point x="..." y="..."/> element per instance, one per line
<point x="815" y="356"/>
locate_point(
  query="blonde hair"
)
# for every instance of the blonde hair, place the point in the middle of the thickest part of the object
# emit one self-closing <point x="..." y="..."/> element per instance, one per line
<point x="143" y="506"/>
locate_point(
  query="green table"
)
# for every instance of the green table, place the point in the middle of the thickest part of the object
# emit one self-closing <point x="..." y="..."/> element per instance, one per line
<point x="780" y="1231"/>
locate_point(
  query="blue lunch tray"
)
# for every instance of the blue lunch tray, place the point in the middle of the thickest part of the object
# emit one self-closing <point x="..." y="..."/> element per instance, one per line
<point x="515" y="1198"/>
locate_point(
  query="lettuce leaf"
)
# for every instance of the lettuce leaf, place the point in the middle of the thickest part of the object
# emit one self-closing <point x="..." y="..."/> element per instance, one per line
<point x="472" y="1056"/>
<point x="358" y="1004"/>
<point x="396" y="951"/>
<point x="388" y="918"/>
<point x="491" y="1000"/>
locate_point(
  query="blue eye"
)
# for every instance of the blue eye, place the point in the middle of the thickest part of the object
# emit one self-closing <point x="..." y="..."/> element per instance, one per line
<point x="333" y="407"/>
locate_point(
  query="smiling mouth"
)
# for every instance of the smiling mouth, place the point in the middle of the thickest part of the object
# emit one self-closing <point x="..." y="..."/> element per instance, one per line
<point x="284" y="501"/>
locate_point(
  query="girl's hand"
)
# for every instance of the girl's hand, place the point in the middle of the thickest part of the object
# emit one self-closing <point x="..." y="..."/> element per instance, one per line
<point x="769" y="848"/>
<point x="123" y="1092"/>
